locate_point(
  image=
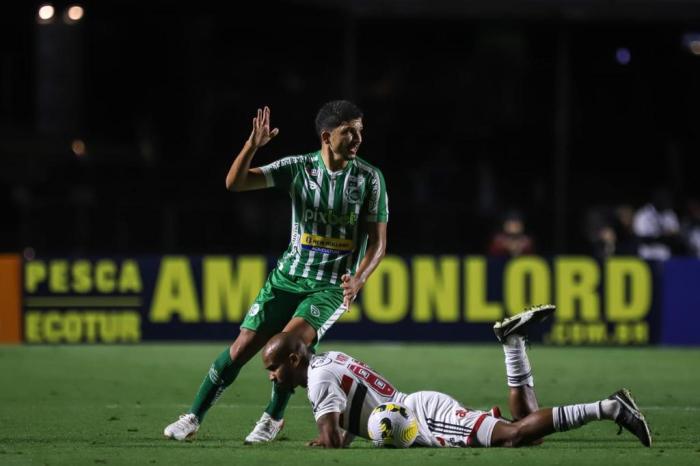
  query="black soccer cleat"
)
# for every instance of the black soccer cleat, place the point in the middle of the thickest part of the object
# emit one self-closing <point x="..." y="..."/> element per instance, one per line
<point x="630" y="417"/>
<point x="519" y="323"/>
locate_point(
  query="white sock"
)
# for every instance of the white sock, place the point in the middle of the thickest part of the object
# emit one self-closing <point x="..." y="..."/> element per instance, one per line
<point x="609" y="409"/>
<point x="574" y="416"/>
<point x="518" y="369"/>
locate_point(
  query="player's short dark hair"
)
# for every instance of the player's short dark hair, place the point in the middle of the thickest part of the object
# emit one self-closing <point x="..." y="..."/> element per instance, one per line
<point x="335" y="112"/>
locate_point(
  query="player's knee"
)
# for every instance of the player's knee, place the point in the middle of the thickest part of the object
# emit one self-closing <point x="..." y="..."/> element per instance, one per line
<point x="239" y="349"/>
<point x="507" y="435"/>
<point x="302" y="329"/>
<point x="517" y="437"/>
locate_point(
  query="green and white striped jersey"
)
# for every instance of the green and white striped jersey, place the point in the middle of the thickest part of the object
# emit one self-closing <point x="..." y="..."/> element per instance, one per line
<point x="328" y="213"/>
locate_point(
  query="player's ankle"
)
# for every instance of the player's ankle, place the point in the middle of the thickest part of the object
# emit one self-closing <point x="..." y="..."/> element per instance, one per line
<point x="609" y="409"/>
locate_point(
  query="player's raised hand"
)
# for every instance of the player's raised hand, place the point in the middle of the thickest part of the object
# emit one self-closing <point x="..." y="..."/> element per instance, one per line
<point x="261" y="133"/>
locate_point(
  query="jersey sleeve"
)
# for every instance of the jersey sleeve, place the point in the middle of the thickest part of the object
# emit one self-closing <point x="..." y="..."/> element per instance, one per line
<point x="327" y="398"/>
<point x="377" y="203"/>
<point x="325" y="394"/>
<point x="280" y="173"/>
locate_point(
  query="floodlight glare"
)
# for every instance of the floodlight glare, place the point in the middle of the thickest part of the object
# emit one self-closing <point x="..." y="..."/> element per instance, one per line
<point x="46" y="12"/>
<point x="691" y="40"/>
<point x="78" y="147"/>
<point x="623" y="55"/>
<point x="75" y="13"/>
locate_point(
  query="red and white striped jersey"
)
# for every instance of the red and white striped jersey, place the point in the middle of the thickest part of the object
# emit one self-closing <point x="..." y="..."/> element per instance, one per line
<point x="338" y="383"/>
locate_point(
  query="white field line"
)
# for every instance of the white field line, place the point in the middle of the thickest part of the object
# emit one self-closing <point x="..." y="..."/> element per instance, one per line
<point x="238" y="406"/>
<point x="670" y="408"/>
<point x="217" y="405"/>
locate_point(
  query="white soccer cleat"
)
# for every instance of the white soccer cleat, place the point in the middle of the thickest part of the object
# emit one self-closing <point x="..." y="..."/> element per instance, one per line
<point x="265" y="430"/>
<point x="519" y="323"/>
<point x="184" y="428"/>
<point x="630" y="417"/>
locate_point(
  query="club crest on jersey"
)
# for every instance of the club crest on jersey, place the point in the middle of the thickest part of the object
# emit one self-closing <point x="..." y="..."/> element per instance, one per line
<point x="353" y="194"/>
<point x="320" y="361"/>
<point x="314" y="311"/>
<point x="254" y="309"/>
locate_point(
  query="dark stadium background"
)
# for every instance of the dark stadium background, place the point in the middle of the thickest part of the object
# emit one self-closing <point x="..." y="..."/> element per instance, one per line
<point x="471" y="109"/>
<point x="117" y="131"/>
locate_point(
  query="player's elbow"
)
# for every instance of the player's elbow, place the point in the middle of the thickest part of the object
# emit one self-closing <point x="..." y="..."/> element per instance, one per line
<point x="231" y="186"/>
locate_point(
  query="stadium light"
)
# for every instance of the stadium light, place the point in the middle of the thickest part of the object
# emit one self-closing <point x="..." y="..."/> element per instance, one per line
<point x="623" y="56"/>
<point x="691" y="40"/>
<point x="78" y="147"/>
<point x="45" y="14"/>
<point x="73" y="14"/>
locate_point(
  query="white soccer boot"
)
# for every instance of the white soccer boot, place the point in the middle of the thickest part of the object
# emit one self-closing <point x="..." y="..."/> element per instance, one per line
<point x="519" y="323"/>
<point x="265" y="430"/>
<point x="630" y="417"/>
<point x="184" y="428"/>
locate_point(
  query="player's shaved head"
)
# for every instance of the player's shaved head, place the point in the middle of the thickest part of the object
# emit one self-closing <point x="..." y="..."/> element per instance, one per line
<point x="286" y="357"/>
<point x="279" y="347"/>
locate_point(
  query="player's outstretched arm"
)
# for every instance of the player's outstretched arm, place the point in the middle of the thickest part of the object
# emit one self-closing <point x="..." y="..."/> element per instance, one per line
<point x="376" y="249"/>
<point x="240" y="176"/>
<point x="330" y="433"/>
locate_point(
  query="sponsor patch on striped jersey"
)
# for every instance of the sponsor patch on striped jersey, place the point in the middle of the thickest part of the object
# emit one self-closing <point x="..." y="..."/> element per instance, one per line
<point x="326" y="245"/>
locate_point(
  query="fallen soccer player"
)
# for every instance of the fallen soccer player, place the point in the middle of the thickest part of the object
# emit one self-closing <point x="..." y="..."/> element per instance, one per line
<point x="344" y="391"/>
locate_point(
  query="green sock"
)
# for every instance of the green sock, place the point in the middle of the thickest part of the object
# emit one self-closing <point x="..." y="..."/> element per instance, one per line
<point x="278" y="402"/>
<point x="221" y="374"/>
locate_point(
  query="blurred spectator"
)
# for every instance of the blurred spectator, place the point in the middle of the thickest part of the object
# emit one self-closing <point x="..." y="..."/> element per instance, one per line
<point x="627" y="243"/>
<point x="511" y="240"/>
<point x="599" y="231"/>
<point x="609" y="231"/>
<point x="604" y="242"/>
<point x="691" y="227"/>
<point x="657" y="227"/>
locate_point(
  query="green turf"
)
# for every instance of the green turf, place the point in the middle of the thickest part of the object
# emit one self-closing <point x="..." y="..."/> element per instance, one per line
<point x="109" y="404"/>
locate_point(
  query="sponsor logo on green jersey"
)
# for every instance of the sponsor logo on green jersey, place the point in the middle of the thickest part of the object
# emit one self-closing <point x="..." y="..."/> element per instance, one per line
<point x="330" y="217"/>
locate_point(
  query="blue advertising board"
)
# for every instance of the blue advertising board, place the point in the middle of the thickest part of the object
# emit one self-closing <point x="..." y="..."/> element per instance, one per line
<point x="620" y="301"/>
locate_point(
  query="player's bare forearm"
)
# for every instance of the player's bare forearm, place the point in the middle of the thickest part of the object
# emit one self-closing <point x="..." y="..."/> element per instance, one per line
<point x="330" y="434"/>
<point x="373" y="256"/>
<point x="238" y="173"/>
<point x="376" y="249"/>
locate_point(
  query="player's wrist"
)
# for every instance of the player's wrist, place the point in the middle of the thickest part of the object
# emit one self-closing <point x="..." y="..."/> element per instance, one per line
<point x="250" y="146"/>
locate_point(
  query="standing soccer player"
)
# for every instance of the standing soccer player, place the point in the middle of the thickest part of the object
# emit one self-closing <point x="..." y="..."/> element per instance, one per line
<point x="339" y="216"/>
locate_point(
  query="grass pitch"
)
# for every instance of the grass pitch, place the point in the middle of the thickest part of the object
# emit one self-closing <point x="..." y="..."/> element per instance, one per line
<point x="78" y="405"/>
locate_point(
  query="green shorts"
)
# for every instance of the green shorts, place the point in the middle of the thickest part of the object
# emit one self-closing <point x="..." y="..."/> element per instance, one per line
<point x="284" y="297"/>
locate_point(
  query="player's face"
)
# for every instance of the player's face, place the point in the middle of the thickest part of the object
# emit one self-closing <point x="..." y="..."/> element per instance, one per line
<point x="345" y="140"/>
<point x="286" y="372"/>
